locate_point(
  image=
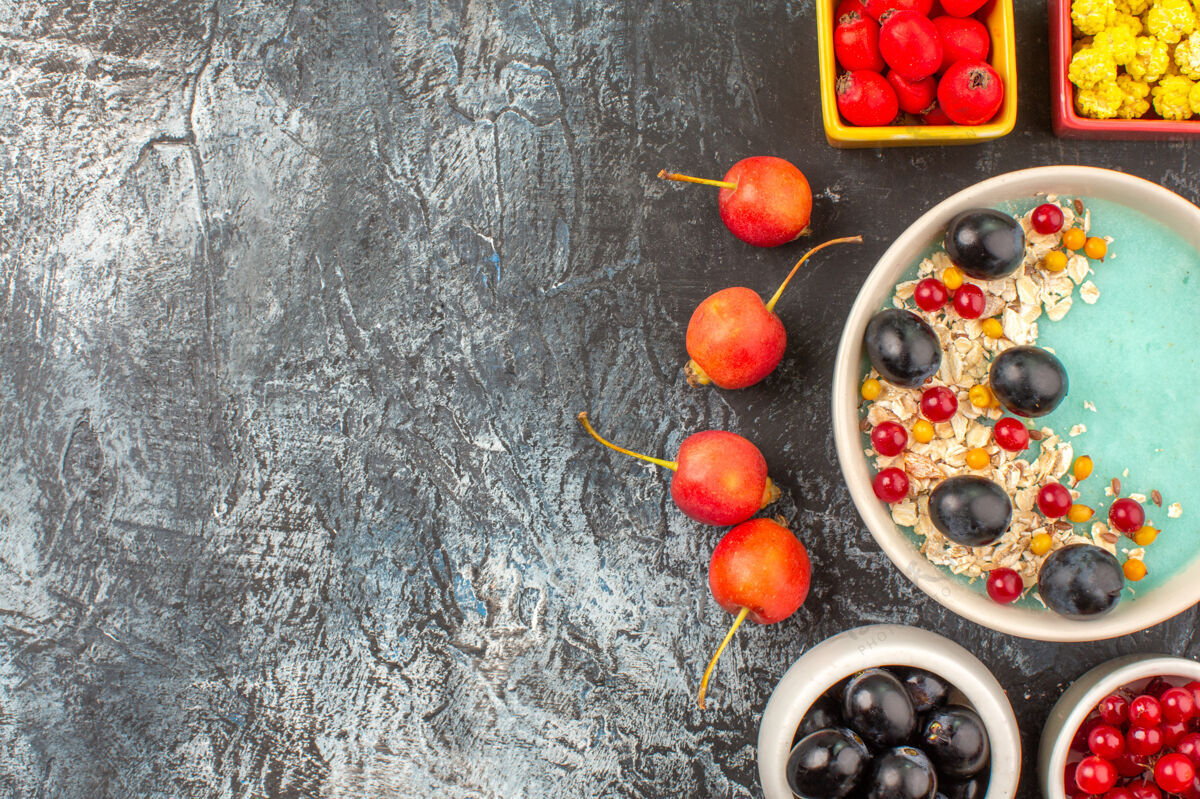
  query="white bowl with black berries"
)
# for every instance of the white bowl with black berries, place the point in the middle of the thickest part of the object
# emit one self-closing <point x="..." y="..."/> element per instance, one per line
<point x="888" y="712"/>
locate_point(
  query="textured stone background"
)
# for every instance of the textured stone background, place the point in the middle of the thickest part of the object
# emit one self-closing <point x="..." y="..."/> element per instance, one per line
<point x="299" y="302"/>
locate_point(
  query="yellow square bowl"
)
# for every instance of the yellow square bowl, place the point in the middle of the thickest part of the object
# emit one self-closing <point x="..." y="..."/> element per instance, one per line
<point x="999" y="22"/>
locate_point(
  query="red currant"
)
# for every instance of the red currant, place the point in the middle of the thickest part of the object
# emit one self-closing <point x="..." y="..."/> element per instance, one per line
<point x="1054" y="500"/>
<point x="1011" y="434"/>
<point x="1143" y="741"/>
<point x="1095" y="775"/>
<point x="1113" y="708"/>
<point x="1144" y="789"/>
<point x="1194" y="687"/>
<point x="1080" y="741"/>
<point x="1069" y="785"/>
<point x="1174" y="773"/>
<point x="1192" y="792"/>
<point x="889" y="438"/>
<point x="1189" y="746"/>
<point x="891" y="485"/>
<point x="931" y="294"/>
<point x="1105" y="741"/>
<point x="1144" y="711"/>
<point x="1004" y="586"/>
<point x="1047" y="218"/>
<point x="1118" y="793"/>
<point x="1128" y="765"/>
<point x="1126" y="515"/>
<point x="969" y="301"/>
<point x="1173" y="731"/>
<point x="938" y="403"/>
<point x="1178" y="704"/>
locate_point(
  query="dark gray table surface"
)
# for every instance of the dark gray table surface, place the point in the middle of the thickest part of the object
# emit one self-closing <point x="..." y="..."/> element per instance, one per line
<point x="299" y="302"/>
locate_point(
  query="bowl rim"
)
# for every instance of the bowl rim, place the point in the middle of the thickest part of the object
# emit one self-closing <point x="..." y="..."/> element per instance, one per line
<point x="1177" y="594"/>
<point x="1003" y="57"/>
<point x="1067" y="120"/>
<point x="850" y="651"/>
<point x="1084" y="694"/>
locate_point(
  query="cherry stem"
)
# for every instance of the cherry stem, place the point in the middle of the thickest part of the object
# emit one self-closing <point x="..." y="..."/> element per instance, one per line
<point x="788" y="279"/>
<point x="583" y="420"/>
<point x="721" y="184"/>
<point x="712" y="664"/>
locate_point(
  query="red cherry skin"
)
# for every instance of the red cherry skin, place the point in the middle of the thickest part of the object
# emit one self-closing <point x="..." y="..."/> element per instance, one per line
<point x="1192" y="792"/>
<point x="1145" y="711"/>
<point x="1189" y="746"/>
<point x="1194" y="687"/>
<point x="1004" y="586"/>
<point x="1118" y="793"/>
<point x="1174" y="773"/>
<point x="938" y="404"/>
<point x="1047" y="218"/>
<point x="1011" y="434"/>
<point x="1054" y="500"/>
<point x="772" y="203"/>
<point x="969" y="301"/>
<point x="1172" y="732"/>
<point x="1129" y="765"/>
<point x="915" y="96"/>
<point x="1144" y="789"/>
<point x="879" y="8"/>
<point x="890" y="485"/>
<point x="962" y="39"/>
<point x="936" y="116"/>
<point x="1114" y="708"/>
<point x="889" y="438"/>
<point x="910" y="44"/>
<point x="1143" y="741"/>
<point x="1095" y="775"/>
<point x="866" y="99"/>
<point x="846" y="7"/>
<point x="734" y="338"/>
<point x="1069" y="784"/>
<point x="1126" y="515"/>
<point x="721" y="478"/>
<point x="1106" y="741"/>
<point x="1178" y="704"/>
<point x="760" y="565"/>
<point x="962" y="8"/>
<point x="931" y="294"/>
<point x="1080" y="742"/>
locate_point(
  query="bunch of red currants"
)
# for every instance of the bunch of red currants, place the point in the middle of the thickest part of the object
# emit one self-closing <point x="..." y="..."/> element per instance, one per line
<point x="898" y="56"/>
<point x="1144" y="747"/>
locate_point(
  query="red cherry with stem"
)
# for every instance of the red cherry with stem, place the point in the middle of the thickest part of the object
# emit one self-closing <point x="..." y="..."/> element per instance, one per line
<point x="1011" y="434"/>
<point x="1189" y="746"/>
<point x="1174" y="773"/>
<point x="764" y="200"/>
<point x="759" y="570"/>
<point x="971" y="92"/>
<point x="1054" y="502"/>
<point x="1144" y="789"/>
<point x="1047" y="218"/>
<point x="969" y="301"/>
<point x="1143" y="741"/>
<point x="890" y="485"/>
<point x="1095" y="775"/>
<point x="938" y="403"/>
<point x="734" y="339"/>
<point x="1118" y="793"/>
<point x="889" y="438"/>
<point x="1145" y="711"/>
<point x="1173" y="732"/>
<point x="931" y="294"/>
<point x="720" y="478"/>
<point x="1004" y="585"/>
<point x="1128" y="765"/>
<point x="1114" y="708"/>
<point x="1106" y="741"/>
<point x="856" y="43"/>
<point x="1126" y="515"/>
<point x="1177" y="704"/>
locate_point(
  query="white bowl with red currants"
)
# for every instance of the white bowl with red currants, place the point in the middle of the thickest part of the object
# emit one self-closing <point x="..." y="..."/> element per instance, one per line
<point x="888" y="712"/>
<point x="1127" y="729"/>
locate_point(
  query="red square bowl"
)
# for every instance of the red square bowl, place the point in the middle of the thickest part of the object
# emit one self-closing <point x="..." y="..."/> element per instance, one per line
<point x="1069" y="124"/>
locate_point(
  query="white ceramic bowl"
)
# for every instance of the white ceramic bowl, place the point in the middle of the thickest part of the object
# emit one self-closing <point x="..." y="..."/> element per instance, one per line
<point x="1152" y="607"/>
<point x="885" y="645"/>
<point x="1082" y="697"/>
